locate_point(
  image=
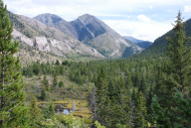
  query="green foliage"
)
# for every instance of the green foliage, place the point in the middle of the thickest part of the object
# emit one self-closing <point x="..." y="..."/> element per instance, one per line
<point x="36" y="116"/>
<point x="98" y="125"/>
<point x="60" y="84"/>
<point x="43" y="95"/>
<point x="71" y="121"/>
<point x="13" y="112"/>
<point x="140" y="111"/>
<point x="49" y="111"/>
<point x="137" y="92"/>
<point x="174" y="78"/>
<point x="55" y="81"/>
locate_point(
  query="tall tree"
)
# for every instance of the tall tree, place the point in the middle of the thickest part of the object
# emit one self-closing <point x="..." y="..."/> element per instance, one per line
<point x="175" y="79"/>
<point x="12" y="109"/>
<point x="102" y="100"/>
<point x="140" y="111"/>
<point x="35" y="114"/>
<point x="179" y="57"/>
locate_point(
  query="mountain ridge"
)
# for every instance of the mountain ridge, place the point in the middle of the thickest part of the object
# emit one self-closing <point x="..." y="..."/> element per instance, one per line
<point x="51" y="34"/>
<point x="141" y="43"/>
<point x="160" y="44"/>
<point x="48" y="39"/>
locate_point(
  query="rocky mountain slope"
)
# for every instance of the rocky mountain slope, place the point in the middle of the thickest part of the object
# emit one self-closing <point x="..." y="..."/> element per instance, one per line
<point x="57" y="22"/>
<point x="49" y="40"/>
<point x="48" y="37"/>
<point x="95" y="33"/>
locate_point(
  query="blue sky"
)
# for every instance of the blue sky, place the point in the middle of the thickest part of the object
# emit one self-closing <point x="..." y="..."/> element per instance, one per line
<point x="143" y="19"/>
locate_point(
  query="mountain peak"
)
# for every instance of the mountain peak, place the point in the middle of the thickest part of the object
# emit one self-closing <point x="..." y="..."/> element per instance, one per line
<point x="48" y="18"/>
<point x="87" y="17"/>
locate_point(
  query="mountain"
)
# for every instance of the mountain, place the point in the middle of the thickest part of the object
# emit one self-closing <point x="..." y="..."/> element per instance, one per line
<point x="89" y="27"/>
<point x="57" y="22"/>
<point x="160" y="44"/>
<point x="49" y="37"/>
<point x="92" y="32"/>
<point x="141" y="43"/>
<point x="97" y="34"/>
<point x="48" y="40"/>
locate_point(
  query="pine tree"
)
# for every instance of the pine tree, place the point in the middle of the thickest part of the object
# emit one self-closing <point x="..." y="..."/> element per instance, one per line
<point x="175" y="78"/>
<point x="13" y="113"/>
<point x="43" y="95"/>
<point x="55" y="81"/>
<point x="102" y="100"/>
<point x="35" y="114"/>
<point x="45" y="84"/>
<point x="179" y="57"/>
<point x="158" y="113"/>
<point x="140" y="111"/>
<point x="49" y="111"/>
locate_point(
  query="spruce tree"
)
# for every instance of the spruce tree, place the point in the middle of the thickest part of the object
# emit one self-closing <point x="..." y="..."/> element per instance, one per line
<point x="102" y="100"/>
<point x="140" y="111"/>
<point x="179" y="58"/>
<point x="175" y="78"/>
<point x="35" y="114"/>
<point x="12" y="109"/>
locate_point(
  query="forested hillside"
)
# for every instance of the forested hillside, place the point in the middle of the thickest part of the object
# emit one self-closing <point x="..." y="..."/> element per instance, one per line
<point x="137" y="92"/>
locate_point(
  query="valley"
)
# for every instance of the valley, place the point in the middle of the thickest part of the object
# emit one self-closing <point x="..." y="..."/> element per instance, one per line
<point x="82" y="73"/>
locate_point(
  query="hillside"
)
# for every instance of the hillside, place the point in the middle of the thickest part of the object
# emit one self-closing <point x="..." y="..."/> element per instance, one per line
<point x="93" y="32"/>
<point x="57" y="22"/>
<point x="48" y="40"/>
<point x="141" y="43"/>
<point x="159" y="45"/>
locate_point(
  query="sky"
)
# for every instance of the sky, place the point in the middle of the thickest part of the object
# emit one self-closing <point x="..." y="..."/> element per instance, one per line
<point x="142" y="19"/>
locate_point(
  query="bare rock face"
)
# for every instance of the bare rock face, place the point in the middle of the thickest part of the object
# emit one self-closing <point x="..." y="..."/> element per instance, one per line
<point x="47" y="40"/>
<point x="19" y="36"/>
<point x="93" y="32"/>
<point x="97" y="34"/>
<point x="89" y="27"/>
<point x="42" y="44"/>
<point x="87" y="36"/>
<point x="57" y="22"/>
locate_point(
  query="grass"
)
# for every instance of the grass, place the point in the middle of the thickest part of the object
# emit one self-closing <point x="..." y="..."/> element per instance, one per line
<point x="71" y="93"/>
<point x="82" y="109"/>
<point x="70" y="89"/>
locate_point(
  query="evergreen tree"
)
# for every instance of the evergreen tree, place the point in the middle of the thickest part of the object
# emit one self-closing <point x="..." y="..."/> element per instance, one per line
<point x="35" y="114"/>
<point x="43" y="95"/>
<point x="174" y="78"/>
<point x="179" y="58"/>
<point x="13" y="113"/>
<point x="140" y="111"/>
<point x="102" y="100"/>
<point x="55" y="81"/>
<point x="49" y="111"/>
<point x="45" y="84"/>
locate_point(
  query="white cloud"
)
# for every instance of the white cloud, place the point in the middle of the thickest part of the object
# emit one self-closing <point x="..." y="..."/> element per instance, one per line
<point x="187" y="8"/>
<point x="143" y="18"/>
<point x="142" y="26"/>
<point x="31" y="7"/>
<point x="148" y="30"/>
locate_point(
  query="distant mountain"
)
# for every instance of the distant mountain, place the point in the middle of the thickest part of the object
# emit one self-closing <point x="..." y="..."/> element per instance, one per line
<point x="49" y="36"/>
<point x="97" y="34"/>
<point x="160" y="44"/>
<point x="89" y="27"/>
<point x="48" y="40"/>
<point x="93" y="32"/>
<point x="141" y="43"/>
<point x="57" y="22"/>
